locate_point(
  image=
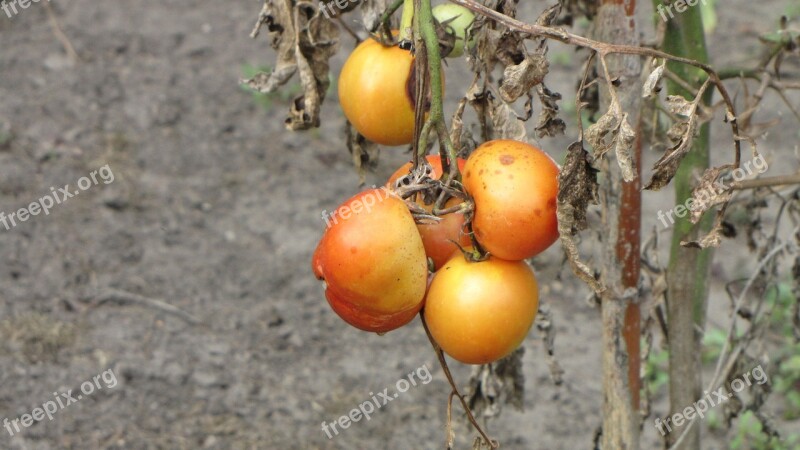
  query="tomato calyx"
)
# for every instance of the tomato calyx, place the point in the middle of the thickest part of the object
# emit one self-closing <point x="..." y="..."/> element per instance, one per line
<point x="426" y="196"/>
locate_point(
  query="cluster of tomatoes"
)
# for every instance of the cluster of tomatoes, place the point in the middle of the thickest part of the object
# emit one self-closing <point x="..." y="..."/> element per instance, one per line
<point x="374" y="257"/>
<point x="466" y="270"/>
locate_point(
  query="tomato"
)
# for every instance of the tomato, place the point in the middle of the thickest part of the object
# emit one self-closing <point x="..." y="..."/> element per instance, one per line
<point x="373" y="262"/>
<point x="376" y="91"/>
<point x="479" y="312"/>
<point x="438" y="238"/>
<point x="514" y="186"/>
<point x="457" y="20"/>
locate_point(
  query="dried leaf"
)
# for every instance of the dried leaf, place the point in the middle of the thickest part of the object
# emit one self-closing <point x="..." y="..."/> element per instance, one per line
<point x="708" y="193"/>
<point x="651" y="84"/>
<point x="679" y="105"/>
<point x="364" y="152"/>
<point x="519" y="79"/>
<point x="498" y="120"/>
<point x="624" y="150"/>
<point x="577" y="189"/>
<point x="544" y="323"/>
<point x="493" y="385"/>
<point x="710" y="240"/>
<point x="608" y="124"/>
<point x="549" y="123"/>
<point x="549" y="15"/>
<point x="682" y="135"/>
<point x="305" y="40"/>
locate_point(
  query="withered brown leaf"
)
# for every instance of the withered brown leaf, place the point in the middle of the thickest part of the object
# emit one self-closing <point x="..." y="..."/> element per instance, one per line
<point x="305" y="40"/>
<point x="519" y="79"/>
<point x="364" y="152"/>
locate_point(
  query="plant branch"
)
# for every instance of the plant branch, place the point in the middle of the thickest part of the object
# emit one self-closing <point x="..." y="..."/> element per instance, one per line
<point x="603" y="49"/>
<point x="446" y="369"/>
<point x="781" y="180"/>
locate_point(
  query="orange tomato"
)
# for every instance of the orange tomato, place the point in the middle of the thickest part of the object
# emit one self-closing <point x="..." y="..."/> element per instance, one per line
<point x="479" y="312"/>
<point x="438" y="238"/>
<point x="514" y="186"/>
<point x="376" y="91"/>
<point x="373" y="262"/>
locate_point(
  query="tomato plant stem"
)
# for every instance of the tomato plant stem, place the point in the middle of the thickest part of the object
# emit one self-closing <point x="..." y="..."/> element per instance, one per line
<point x="406" y="20"/>
<point x="384" y="24"/>
<point x="443" y="362"/>
<point x="426" y="40"/>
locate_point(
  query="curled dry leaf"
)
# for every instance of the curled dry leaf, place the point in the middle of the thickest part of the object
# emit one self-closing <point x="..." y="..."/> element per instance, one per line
<point x="305" y="40"/>
<point x="519" y="79"/>
<point x="549" y="123"/>
<point x="651" y="84"/>
<point x="577" y="189"/>
<point x="709" y="192"/>
<point x="710" y="240"/>
<point x="681" y="134"/>
<point x="462" y="139"/>
<point x="624" y="150"/>
<point x="598" y="132"/>
<point x="544" y="323"/>
<point x="364" y="152"/>
<point x="493" y="385"/>
<point x="497" y="119"/>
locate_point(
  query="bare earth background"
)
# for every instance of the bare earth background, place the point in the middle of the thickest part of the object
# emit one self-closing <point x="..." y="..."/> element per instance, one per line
<point x="215" y="209"/>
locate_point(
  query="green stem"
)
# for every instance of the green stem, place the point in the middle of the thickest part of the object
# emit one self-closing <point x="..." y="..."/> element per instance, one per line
<point x="384" y="24"/>
<point x="406" y="20"/>
<point x="688" y="270"/>
<point x="424" y="25"/>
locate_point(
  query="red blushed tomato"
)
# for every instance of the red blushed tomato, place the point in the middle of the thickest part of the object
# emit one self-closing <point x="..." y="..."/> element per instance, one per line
<point x="376" y="91"/>
<point x="479" y="312"/>
<point x="514" y="186"/>
<point x="373" y="262"/>
<point x="367" y="319"/>
<point x="438" y="238"/>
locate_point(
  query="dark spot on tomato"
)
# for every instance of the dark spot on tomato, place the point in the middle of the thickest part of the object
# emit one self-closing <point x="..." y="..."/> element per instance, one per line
<point x="481" y="172"/>
<point x="506" y="159"/>
<point x="353" y="250"/>
<point x="468" y="173"/>
<point x="538" y="213"/>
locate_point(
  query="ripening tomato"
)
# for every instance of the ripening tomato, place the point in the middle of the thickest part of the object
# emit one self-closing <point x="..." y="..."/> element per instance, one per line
<point x="373" y="262"/>
<point x="514" y="186"/>
<point x="479" y="312"/>
<point x="376" y="91"/>
<point x="439" y="238"/>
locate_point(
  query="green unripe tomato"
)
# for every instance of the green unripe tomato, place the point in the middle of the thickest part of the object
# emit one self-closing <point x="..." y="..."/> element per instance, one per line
<point x="457" y="20"/>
